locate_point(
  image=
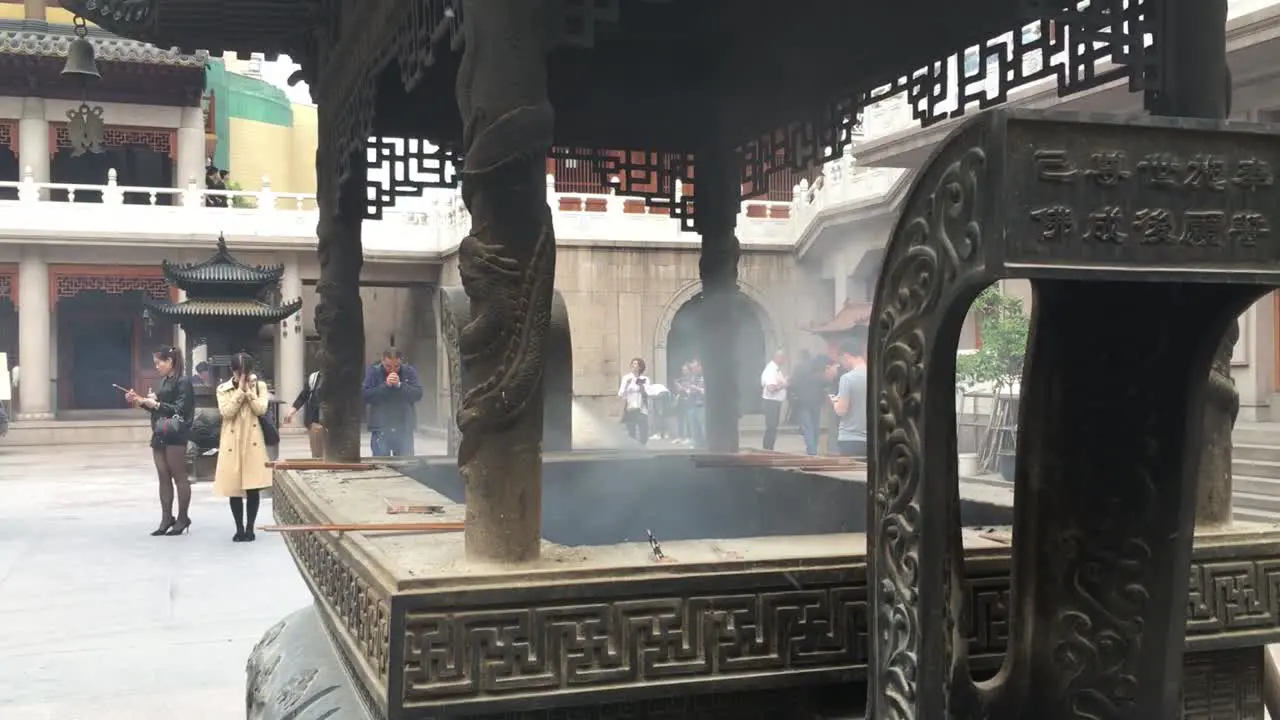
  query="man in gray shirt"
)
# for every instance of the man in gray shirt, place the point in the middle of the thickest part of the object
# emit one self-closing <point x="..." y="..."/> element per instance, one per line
<point x="850" y="400"/>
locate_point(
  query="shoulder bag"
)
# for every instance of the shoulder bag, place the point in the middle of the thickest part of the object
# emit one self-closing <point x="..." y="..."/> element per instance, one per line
<point x="270" y="435"/>
<point x="171" y="430"/>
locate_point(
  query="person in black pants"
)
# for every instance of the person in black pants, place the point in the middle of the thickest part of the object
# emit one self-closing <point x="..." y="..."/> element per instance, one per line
<point x="243" y="471"/>
<point x="174" y="400"/>
<point x="308" y="402"/>
<point x="773" y="384"/>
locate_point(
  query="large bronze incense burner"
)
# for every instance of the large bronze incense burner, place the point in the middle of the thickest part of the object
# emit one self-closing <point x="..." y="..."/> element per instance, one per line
<point x="1143" y="240"/>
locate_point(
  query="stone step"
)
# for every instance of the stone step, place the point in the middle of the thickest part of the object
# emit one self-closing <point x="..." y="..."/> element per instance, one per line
<point x="1255" y="485"/>
<point x="1255" y="468"/>
<point x="1257" y="434"/>
<point x="1249" y="502"/>
<point x="77" y="432"/>
<point x="1250" y="451"/>
<point x="1257" y="516"/>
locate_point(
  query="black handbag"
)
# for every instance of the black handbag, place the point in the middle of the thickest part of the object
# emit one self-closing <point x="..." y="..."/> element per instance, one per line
<point x="270" y="435"/>
<point x="171" y="430"/>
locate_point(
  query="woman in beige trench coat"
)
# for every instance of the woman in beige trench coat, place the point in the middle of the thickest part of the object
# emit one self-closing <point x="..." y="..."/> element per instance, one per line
<point x="242" y="455"/>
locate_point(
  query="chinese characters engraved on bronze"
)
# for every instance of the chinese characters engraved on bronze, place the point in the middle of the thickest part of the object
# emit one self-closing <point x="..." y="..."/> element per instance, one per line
<point x="1162" y="175"/>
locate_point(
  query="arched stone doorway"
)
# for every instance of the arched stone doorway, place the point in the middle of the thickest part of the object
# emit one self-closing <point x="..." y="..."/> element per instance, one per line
<point x="678" y="340"/>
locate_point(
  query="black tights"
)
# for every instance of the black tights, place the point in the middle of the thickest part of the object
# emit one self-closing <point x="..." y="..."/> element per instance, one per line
<point x="237" y="510"/>
<point x="171" y="471"/>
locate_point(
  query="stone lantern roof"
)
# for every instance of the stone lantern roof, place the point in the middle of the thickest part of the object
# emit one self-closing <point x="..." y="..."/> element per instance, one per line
<point x="222" y="269"/>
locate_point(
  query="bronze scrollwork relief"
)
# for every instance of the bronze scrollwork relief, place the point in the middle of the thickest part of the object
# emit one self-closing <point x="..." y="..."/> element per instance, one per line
<point x="1139" y="261"/>
<point x="938" y="244"/>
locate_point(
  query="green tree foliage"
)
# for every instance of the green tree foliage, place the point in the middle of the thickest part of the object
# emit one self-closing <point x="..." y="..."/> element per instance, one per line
<point x="240" y="201"/>
<point x="1003" y="324"/>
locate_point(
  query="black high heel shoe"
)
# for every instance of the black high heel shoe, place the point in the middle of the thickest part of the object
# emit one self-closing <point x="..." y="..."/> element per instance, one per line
<point x="180" y="527"/>
<point x="238" y="537"/>
<point x="165" y="525"/>
<point x="249" y="536"/>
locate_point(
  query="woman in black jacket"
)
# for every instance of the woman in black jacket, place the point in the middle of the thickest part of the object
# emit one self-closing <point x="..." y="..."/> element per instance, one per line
<point x="174" y="400"/>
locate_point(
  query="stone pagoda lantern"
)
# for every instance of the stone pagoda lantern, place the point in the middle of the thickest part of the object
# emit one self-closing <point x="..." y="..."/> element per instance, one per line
<point x="227" y="305"/>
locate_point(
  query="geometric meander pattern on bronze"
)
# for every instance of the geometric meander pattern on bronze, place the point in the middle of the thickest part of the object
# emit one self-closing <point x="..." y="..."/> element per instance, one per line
<point x="669" y="631"/>
<point x="363" y="611"/>
<point x="1223" y="684"/>
<point x="493" y="651"/>
<point x="1233" y="596"/>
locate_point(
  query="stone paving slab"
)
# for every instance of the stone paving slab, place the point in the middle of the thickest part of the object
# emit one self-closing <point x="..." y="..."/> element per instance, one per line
<point x="100" y="621"/>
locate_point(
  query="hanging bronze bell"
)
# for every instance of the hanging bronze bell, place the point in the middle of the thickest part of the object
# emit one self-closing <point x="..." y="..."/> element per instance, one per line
<point x="80" y="63"/>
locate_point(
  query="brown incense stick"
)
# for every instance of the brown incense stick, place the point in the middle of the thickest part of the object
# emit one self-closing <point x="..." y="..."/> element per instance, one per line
<point x="318" y="465"/>
<point x="368" y="527"/>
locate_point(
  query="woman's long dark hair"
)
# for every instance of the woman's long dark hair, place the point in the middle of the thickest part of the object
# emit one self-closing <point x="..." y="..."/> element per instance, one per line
<point x="173" y="355"/>
<point x="242" y="363"/>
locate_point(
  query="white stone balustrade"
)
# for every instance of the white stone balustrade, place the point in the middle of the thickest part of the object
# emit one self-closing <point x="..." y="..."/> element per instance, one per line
<point x="432" y="225"/>
<point x="840" y="185"/>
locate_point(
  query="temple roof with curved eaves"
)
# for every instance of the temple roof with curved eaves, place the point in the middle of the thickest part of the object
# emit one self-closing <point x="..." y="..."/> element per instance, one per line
<point x="222" y="269"/>
<point x="271" y="27"/>
<point x="197" y="309"/>
<point x="24" y="40"/>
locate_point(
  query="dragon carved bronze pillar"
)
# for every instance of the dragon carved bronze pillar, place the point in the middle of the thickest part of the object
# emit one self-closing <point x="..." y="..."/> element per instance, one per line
<point x="508" y="265"/>
<point x="718" y="193"/>
<point x="340" y="311"/>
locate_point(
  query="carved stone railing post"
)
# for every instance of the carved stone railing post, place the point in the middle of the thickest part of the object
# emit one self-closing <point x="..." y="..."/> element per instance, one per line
<point x="507" y="264"/>
<point x="112" y="194"/>
<point x="28" y="190"/>
<point x="266" y="196"/>
<point x="192" y="196"/>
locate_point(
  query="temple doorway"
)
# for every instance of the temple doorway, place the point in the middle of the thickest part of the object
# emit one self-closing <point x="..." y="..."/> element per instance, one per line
<point x="8" y="320"/>
<point x="140" y="157"/>
<point x="9" y="170"/>
<point x="684" y="342"/>
<point x="103" y="339"/>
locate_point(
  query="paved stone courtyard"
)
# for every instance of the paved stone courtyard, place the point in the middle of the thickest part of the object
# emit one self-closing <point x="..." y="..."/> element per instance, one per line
<point x="100" y="621"/>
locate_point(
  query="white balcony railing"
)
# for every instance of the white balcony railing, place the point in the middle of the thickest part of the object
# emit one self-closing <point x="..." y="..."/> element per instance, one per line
<point x="428" y="226"/>
<point x="842" y="185"/>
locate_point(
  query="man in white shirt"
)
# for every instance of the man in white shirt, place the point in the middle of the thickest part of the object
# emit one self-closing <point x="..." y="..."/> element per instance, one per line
<point x="773" y="382"/>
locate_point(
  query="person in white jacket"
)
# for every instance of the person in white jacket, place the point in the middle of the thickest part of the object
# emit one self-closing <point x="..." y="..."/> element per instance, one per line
<point x="635" y="402"/>
<point x="773" y="384"/>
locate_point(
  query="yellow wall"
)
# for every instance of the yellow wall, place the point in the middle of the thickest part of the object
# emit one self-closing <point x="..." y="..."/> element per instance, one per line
<point x="258" y="149"/>
<point x="287" y="155"/>
<point x="58" y="15"/>
<point x="305" y="138"/>
<point x="52" y="12"/>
